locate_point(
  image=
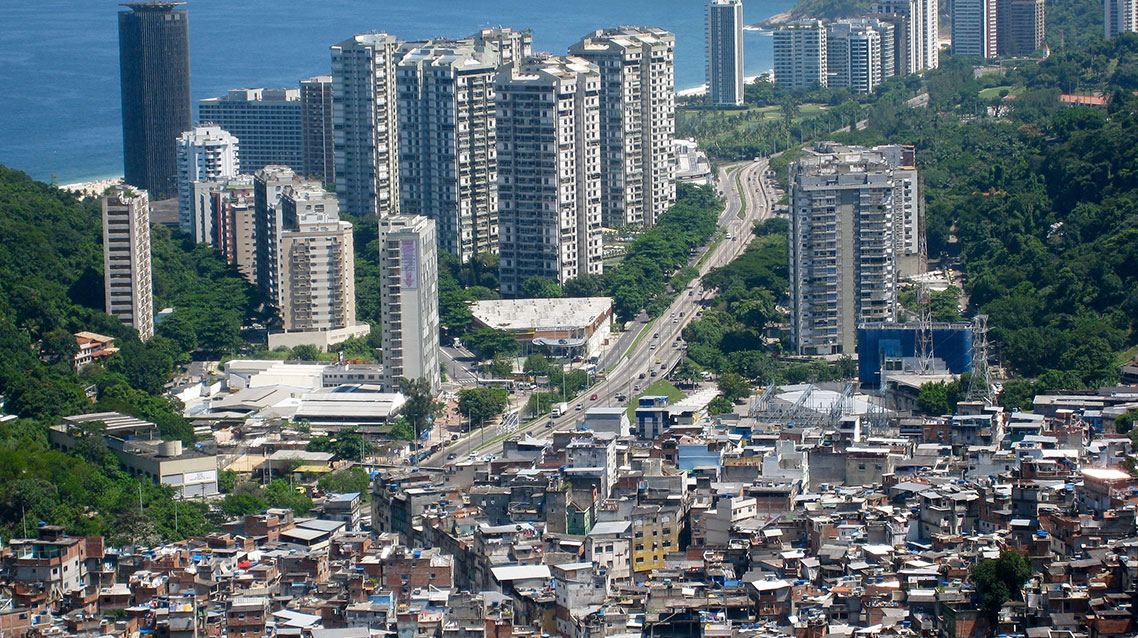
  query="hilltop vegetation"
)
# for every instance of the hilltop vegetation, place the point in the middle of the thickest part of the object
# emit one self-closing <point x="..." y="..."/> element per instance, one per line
<point x="1040" y="204"/>
<point x="52" y="286"/>
<point x="821" y="9"/>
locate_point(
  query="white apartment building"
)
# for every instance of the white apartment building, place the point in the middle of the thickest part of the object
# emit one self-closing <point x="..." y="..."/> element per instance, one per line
<point x="266" y="121"/>
<point x="409" y="299"/>
<point x="929" y="21"/>
<point x="854" y="54"/>
<point x="549" y="167"/>
<point x="724" y="22"/>
<point x="638" y="121"/>
<point x="126" y="258"/>
<point x="917" y="33"/>
<point x="447" y="155"/>
<point x="800" y="55"/>
<point x="1119" y="16"/>
<point x="318" y="290"/>
<point x="206" y="152"/>
<point x="909" y="248"/>
<point x="365" y="124"/>
<point x="842" y="266"/>
<point x="974" y="28"/>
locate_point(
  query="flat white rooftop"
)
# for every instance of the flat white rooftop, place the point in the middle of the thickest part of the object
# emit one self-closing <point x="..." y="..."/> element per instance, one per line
<point x="543" y="314"/>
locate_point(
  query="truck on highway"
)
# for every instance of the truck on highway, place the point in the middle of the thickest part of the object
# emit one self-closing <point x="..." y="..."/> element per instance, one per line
<point x="559" y="409"/>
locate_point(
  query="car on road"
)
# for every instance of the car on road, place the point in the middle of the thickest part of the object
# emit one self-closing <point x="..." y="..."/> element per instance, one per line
<point x="579" y="407"/>
<point x="641" y="375"/>
<point x="636" y="388"/>
<point x="620" y="396"/>
<point x="652" y="347"/>
<point x="653" y="374"/>
<point x="549" y="423"/>
<point x="656" y="336"/>
<point x="454" y="437"/>
<point x="658" y="362"/>
<point x="593" y="398"/>
<point x="452" y="456"/>
<point x="676" y="320"/>
<point x="681" y="314"/>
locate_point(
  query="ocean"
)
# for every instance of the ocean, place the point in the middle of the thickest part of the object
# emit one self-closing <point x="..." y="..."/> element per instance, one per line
<point x="59" y="110"/>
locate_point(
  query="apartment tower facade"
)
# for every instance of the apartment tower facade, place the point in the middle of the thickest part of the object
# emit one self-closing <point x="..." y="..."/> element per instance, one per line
<point x="318" y="147"/>
<point x="409" y="299"/>
<point x="1020" y="26"/>
<point x="974" y="28"/>
<point x="800" y="60"/>
<point x="154" y="69"/>
<point x="128" y="286"/>
<point x="222" y="215"/>
<point x="317" y="263"/>
<point x="724" y="22"/>
<point x="266" y="121"/>
<point x="365" y="124"/>
<point x="916" y="31"/>
<point x="1119" y="16"/>
<point x="447" y="155"/>
<point x="638" y="121"/>
<point x="549" y="170"/>
<point x="842" y="267"/>
<point x="206" y="152"/>
<point x="859" y="54"/>
<point x="269" y="185"/>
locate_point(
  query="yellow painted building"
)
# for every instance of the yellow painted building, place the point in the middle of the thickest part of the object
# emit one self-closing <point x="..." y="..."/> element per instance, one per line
<point x="655" y="534"/>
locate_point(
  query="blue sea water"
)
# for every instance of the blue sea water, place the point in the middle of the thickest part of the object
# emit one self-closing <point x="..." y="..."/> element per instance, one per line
<point x="59" y="109"/>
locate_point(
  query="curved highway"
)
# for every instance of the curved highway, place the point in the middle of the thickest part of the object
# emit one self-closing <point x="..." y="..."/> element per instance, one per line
<point x="660" y="349"/>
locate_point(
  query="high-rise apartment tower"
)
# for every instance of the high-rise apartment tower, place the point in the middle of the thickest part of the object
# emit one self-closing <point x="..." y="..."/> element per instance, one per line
<point x="974" y="28"/>
<point x="409" y="299"/>
<point x="638" y="121"/>
<point x="725" y="52"/>
<point x="318" y="146"/>
<point x="126" y="258"/>
<point x="800" y="55"/>
<point x="549" y="170"/>
<point x="365" y="123"/>
<point x="842" y="265"/>
<point x="206" y="152"/>
<point x="1119" y="16"/>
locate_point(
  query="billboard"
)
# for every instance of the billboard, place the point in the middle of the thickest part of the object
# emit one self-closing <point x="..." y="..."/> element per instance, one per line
<point x="409" y="263"/>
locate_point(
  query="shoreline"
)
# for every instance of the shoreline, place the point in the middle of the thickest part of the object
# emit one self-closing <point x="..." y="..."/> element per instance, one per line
<point x="776" y="20"/>
<point x="702" y="88"/>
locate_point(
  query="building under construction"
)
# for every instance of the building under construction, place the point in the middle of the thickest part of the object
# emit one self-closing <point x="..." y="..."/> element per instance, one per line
<point x="897" y="347"/>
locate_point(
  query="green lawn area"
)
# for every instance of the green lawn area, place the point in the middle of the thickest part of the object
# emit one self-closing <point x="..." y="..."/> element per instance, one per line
<point x="739" y="188"/>
<point x="994" y="92"/>
<point x="659" y="387"/>
<point x="1126" y="356"/>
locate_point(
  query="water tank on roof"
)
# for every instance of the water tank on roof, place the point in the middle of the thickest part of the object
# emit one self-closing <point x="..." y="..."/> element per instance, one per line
<point x="170" y="448"/>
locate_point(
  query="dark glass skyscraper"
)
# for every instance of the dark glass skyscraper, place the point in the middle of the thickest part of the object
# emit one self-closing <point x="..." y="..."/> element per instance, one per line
<point x="154" y="64"/>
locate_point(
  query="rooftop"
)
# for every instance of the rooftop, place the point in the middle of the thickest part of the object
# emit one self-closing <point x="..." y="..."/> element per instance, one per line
<point x="541" y="314"/>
